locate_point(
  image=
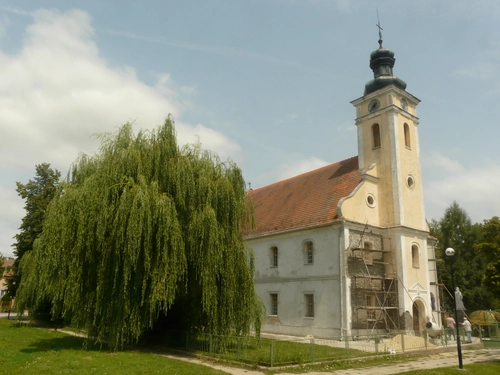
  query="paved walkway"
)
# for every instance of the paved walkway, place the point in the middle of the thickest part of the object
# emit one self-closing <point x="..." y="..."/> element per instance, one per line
<point x="448" y="359"/>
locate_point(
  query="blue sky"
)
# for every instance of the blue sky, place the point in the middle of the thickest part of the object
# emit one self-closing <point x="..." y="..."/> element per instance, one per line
<point x="267" y="83"/>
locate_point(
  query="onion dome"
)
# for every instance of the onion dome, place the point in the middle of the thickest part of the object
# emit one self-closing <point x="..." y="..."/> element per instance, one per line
<point x="381" y="62"/>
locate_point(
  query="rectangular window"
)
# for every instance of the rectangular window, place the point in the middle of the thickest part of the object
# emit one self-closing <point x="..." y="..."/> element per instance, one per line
<point x="274" y="304"/>
<point x="367" y="254"/>
<point x="370" y="302"/>
<point x="368" y="257"/>
<point x="274" y="256"/>
<point x="309" y="300"/>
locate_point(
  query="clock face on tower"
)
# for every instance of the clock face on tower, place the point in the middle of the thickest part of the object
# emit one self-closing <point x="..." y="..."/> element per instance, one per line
<point x="374" y="105"/>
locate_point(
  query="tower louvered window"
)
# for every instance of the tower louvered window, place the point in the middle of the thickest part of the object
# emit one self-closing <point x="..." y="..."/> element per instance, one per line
<point x="376" y="135"/>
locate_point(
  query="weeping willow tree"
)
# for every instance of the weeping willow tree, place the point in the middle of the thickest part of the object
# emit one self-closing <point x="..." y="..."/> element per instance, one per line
<point x="140" y="228"/>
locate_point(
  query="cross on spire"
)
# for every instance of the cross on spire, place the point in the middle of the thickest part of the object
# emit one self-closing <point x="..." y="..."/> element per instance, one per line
<point x="379" y="31"/>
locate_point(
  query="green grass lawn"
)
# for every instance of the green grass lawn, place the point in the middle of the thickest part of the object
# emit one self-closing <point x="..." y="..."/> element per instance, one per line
<point x="263" y="352"/>
<point x="31" y="350"/>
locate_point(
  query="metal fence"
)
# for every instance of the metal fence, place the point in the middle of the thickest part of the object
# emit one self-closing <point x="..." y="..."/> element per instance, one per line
<point x="273" y="351"/>
<point x="486" y="331"/>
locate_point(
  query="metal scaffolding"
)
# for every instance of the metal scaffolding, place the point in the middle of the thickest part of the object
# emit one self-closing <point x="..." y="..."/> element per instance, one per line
<point x="374" y="289"/>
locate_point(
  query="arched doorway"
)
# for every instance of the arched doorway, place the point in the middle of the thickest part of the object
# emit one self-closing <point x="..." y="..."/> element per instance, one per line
<point x="418" y="317"/>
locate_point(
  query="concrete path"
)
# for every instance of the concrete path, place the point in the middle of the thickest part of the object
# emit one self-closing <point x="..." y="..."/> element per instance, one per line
<point x="448" y="359"/>
<point x="229" y="370"/>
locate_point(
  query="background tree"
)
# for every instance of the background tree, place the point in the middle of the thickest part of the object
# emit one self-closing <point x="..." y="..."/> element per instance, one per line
<point x="456" y="230"/>
<point x="142" y="230"/>
<point x="38" y="194"/>
<point x="489" y="248"/>
<point x="1" y="265"/>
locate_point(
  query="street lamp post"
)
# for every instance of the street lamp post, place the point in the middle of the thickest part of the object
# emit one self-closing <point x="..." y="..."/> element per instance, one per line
<point x="450" y="253"/>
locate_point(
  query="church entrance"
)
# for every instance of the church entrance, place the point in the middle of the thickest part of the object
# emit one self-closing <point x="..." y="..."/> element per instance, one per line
<point x="418" y="317"/>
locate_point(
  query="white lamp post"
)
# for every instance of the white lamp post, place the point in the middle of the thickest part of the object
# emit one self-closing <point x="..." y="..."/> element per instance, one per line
<point x="450" y="253"/>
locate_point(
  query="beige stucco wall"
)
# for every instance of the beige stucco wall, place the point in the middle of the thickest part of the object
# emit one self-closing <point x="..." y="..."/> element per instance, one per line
<point x="398" y="203"/>
<point x="399" y="207"/>
<point x="355" y="208"/>
<point x="409" y="158"/>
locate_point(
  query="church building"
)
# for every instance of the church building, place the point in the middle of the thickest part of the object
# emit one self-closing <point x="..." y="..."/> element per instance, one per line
<point x="345" y="249"/>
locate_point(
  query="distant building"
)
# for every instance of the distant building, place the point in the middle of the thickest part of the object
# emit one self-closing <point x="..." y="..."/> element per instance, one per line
<point x="345" y="249"/>
<point x="7" y="264"/>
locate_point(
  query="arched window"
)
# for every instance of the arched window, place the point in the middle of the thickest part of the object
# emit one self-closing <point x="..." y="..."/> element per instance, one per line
<point x="308" y="252"/>
<point x="274" y="256"/>
<point x="407" y="135"/>
<point x="376" y="135"/>
<point x="415" y="257"/>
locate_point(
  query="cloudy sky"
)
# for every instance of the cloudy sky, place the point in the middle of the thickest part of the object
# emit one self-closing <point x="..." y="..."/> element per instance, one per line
<point x="267" y="83"/>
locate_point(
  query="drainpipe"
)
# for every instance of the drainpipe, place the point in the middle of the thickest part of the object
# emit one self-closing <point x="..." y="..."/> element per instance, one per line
<point x="341" y="277"/>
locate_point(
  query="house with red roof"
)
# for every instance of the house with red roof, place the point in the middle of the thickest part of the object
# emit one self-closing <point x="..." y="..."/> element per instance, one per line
<point x="345" y="249"/>
<point x="7" y="272"/>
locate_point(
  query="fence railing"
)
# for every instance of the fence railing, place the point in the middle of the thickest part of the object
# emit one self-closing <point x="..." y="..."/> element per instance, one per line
<point x="486" y="331"/>
<point x="266" y="351"/>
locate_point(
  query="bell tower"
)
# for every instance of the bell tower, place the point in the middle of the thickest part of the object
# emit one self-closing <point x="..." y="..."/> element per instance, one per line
<point x="389" y="161"/>
<point x="388" y="145"/>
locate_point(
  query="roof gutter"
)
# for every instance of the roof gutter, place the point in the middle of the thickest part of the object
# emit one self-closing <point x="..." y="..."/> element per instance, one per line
<point x="341" y="278"/>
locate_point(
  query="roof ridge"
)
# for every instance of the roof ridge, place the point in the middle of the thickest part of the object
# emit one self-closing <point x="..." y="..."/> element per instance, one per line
<point x="305" y="173"/>
<point x="304" y="201"/>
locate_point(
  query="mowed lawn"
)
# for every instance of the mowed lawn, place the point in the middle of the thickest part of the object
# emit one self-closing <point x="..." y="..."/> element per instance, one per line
<point x="31" y="350"/>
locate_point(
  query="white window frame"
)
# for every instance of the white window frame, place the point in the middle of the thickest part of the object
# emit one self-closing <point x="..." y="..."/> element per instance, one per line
<point x="309" y="305"/>
<point x="308" y="252"/>
<point x="274" y="303"/>
<point x="274" y="253"/>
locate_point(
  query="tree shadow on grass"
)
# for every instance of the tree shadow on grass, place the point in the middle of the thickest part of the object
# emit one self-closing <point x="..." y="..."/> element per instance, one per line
<point x="56" y="344"/>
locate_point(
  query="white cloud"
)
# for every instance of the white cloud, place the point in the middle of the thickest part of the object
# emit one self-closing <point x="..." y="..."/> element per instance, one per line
<point x="57" y="91"/>
<point x="17" y="11"/>
<point x="294" y="168"/>
<point x="210" y="139"/>
<point x="442" y="164"/>
<point x="475" y="189"/>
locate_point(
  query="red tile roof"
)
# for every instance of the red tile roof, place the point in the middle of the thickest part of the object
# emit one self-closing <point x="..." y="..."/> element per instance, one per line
<point x="7" y="263"/>
<point x="304" y="201"/>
